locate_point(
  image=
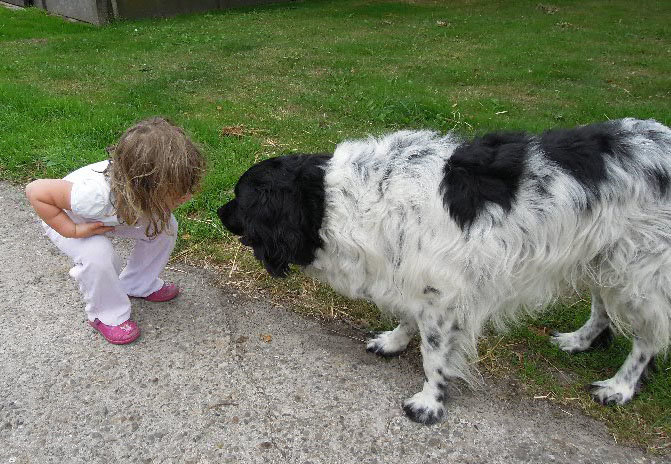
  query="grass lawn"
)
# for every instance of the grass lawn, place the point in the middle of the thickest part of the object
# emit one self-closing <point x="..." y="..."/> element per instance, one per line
<point x="248" y="84"/>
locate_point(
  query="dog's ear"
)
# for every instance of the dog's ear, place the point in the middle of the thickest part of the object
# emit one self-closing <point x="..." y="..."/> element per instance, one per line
<point x="264" y="231"/>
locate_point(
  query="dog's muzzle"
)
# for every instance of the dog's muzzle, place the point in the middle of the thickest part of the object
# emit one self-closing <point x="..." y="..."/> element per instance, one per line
<point x="228" y="215"/>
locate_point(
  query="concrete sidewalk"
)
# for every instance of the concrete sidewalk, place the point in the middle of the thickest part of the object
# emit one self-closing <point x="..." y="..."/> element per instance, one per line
<point x="219" y="378"/>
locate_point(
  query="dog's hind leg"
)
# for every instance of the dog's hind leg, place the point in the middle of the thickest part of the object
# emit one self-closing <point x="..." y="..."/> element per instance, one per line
<point x="443" y="358"/>
<point x="596" y="332"/>
<point x="393" y="342"/>
<point x="630" y="377"/>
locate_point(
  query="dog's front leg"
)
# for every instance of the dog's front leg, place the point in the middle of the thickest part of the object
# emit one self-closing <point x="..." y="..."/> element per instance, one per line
<point x="443" y="358"/>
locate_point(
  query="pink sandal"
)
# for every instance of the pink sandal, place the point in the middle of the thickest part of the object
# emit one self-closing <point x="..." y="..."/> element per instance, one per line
<point x="165" y="293"/>
<point x="121" y="334"/>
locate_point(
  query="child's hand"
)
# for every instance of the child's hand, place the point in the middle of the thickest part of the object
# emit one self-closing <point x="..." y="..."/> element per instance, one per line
<point x="88" y="229"/>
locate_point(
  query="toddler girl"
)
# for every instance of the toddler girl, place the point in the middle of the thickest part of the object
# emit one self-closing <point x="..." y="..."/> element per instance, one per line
<point x="151" y="171"/>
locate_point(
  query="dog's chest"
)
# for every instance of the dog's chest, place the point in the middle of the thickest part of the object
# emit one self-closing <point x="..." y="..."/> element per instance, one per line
<point x="368" y="251"/>
<point x="349" y="275"/>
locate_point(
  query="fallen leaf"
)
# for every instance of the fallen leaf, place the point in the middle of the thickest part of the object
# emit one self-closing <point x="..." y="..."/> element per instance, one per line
<point x="233" y="131"/>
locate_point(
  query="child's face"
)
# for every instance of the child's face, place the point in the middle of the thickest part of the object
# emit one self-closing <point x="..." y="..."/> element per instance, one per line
<point x="177" y="201"/>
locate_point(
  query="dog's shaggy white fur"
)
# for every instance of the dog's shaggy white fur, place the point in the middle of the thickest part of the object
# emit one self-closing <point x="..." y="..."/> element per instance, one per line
<point x="447" y="234"/>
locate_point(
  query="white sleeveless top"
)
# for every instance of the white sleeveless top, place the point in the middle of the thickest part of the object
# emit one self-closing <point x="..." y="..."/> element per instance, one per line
<point x="90" y="199"/>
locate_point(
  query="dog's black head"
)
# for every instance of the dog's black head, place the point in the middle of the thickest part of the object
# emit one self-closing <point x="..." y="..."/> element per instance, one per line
<point x="278" y="210"/>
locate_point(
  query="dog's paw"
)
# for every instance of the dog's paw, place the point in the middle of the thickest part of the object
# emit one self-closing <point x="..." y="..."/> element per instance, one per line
<point x="576" y="342"/>
<point x="424" y="408"/>
<point x="387" y="344"/>
<point x="570" y="342"/>
<point x="609" y="392"/>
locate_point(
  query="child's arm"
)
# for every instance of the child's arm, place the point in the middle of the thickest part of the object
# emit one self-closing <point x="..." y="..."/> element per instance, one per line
<point x="50" y="198"/>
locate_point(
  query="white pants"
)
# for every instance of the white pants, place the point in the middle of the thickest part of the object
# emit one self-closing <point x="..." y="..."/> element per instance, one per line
<point x="104" y="285"/>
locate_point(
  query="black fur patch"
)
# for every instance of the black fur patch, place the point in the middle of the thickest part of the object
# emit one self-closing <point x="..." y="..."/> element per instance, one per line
<point x="428" y="289"/>
<point x="582" y="152"/>
<point x="433" y="339"/>
<point x="484" y="170"/>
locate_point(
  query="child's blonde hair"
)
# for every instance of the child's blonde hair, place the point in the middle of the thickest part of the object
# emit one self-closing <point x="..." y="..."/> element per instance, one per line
<point x="153" y="164"/>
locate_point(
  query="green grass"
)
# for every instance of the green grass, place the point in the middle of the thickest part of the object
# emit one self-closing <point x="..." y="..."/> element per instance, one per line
<point x="303" y="76"/>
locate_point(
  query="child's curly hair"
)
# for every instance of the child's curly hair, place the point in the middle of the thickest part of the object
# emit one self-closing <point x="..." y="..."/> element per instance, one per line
<point x="153" y="164"/>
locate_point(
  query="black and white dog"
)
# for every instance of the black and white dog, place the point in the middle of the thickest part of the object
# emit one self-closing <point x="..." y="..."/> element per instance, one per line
<point x="447" y="234"/>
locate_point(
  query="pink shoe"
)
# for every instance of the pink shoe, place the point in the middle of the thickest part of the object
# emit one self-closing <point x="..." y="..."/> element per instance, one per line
<point x="121" y="334"/>
<point x="165" y="293"/>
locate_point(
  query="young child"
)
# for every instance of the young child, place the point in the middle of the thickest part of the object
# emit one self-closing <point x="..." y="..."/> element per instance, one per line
<point x="151" y="171"/>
